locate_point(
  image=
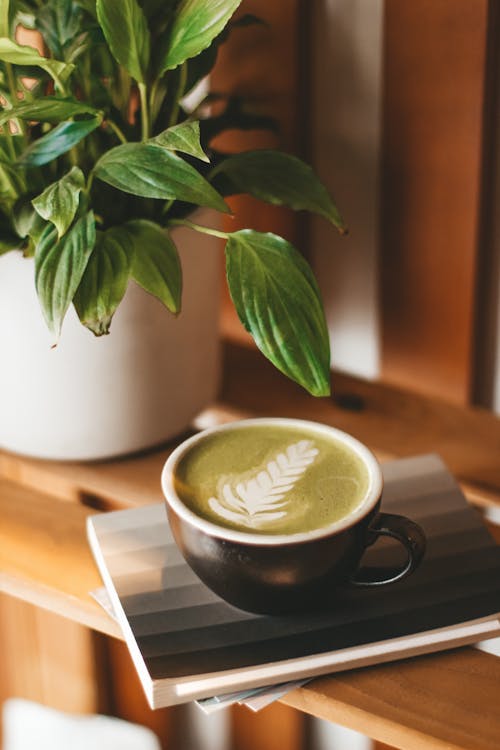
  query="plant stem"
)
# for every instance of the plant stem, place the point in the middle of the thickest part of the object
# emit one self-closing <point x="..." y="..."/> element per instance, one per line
<point x="59" y="84"/>
<point x="73" y="156"/>
<point x="10" y="145"/>
<point x="123" y="87"/>
<point x="13" y="93"/>
<point x="12" y="82"/>
<point x="117" y="131"/>
<point x="178" y="95"/>
<point x="153" y="94"/>
<point x="168" y="205"/>
<point x="199" y="228"/>
<point x="144" y="111"/>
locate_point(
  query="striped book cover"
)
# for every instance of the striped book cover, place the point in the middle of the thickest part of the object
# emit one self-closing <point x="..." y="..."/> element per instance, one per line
<point x="188" y="644"/>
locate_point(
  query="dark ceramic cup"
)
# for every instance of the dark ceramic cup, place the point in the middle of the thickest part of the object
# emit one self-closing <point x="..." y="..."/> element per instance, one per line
<point x="277" y="574"/>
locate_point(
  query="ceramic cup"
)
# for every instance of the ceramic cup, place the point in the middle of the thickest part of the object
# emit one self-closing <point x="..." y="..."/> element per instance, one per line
<point x="277" y="573"/>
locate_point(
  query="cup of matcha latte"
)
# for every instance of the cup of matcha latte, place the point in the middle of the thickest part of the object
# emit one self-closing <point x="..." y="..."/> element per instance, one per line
<point x="275" y="514"/>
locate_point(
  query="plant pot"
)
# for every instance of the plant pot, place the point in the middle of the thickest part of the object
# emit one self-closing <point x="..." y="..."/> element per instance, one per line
<point x="93" y="398"/>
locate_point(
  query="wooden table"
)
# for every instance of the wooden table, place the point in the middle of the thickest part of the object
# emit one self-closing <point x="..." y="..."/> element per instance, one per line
<point x="449" y="700"/>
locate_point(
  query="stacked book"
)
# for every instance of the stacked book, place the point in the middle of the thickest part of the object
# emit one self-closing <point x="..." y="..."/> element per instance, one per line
<point x="187" y="644"/>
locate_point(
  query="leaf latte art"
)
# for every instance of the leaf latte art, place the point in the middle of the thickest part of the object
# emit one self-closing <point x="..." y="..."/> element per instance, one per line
<point x="259" y="499"/>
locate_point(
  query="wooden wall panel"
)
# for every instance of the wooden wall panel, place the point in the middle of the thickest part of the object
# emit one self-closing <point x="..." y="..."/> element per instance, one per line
<point x="48" y="659"/>
<point x="274" y="728"/>
<point x="435" y="54"/>
<point x="127" y="699"/>
<point x="346" y="81"/>
<point x="486" y="386"/>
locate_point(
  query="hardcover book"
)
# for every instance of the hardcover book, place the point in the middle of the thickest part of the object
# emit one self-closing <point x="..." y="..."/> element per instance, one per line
<point x="188" y="644"/>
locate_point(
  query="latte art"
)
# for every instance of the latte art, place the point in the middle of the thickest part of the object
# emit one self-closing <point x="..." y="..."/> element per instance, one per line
<point x="271" y="479"/>
<point x="256" y="501"/>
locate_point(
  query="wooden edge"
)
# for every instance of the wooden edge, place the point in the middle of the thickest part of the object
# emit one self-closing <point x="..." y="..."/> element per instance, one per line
<point x="315" y="702"/>
<point x="481" y="497"/>
<point x="414" y="704"/>
<point x="85" y="613"/>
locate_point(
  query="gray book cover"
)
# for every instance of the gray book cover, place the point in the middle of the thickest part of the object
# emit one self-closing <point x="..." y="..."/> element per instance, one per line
<point x="187" y="644"/>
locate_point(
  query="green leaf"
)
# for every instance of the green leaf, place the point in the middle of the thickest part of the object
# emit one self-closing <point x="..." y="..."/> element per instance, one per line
<point x="277" y="178"/>
<point x="59" y="22"/>
<point x="126" y="30"/>
<point x="184" y="137"/>
<point x="12" y="184"/>
<point x="8" y="142"/>
<point x="23" y="216"/>
<point x="140" y="249"/>
<point x="89" y="6"/>
<point x="57" y="142"/>
<point x="155" y="262"/>
<point x="4" y="18"/>
<point x="36" y="229"/>
<point x="105" y="280"/>
<point x="19" y="54"/>
<point x="59" y="267"/>
<point x="149" y="171"/>
<point x="25" y="220"/>
<point x="196" y="23"/>
<point x="47" y="109"/>
<point x="278" y="301"/>
<point x="59" y="202"/>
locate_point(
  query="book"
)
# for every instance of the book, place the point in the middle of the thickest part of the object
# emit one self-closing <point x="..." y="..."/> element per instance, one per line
<point x="188" y="644"/>
<point x="255" y="698"/>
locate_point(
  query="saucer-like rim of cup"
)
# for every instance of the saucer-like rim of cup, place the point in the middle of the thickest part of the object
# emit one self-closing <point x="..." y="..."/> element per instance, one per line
<point x="369" y="501"/>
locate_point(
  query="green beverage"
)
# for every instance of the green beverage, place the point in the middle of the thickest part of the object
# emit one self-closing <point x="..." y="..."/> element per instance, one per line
<point x="271" y="479"/>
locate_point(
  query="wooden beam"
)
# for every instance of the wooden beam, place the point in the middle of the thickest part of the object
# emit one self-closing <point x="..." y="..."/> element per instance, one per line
<point x="128" y="700"/>
<point x="48" y="659"/>
<point x="274" y="728"/>
<point x="433" y="105"/>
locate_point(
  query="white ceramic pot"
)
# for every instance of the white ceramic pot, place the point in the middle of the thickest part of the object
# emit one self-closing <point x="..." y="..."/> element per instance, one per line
<point x="92" y="398"/>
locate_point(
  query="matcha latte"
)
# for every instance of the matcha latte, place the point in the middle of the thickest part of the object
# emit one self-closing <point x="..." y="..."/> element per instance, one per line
<point x="271" y="479"/>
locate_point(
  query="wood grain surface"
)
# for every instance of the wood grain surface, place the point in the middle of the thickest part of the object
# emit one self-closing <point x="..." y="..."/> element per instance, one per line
<point x="432" y="164"/>
<point x="45" y="558"/>
<point x="274" y="728"/>
<point x="445" y="702"/>
<point x="128" y="700"/>
<point x="48" y="659"/>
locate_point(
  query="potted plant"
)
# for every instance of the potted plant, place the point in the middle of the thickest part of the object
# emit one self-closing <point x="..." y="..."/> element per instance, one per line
<point x="101" y="167"/>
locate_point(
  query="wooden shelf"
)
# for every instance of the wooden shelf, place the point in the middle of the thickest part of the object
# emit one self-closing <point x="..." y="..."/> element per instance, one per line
<point x="441" y="701"/>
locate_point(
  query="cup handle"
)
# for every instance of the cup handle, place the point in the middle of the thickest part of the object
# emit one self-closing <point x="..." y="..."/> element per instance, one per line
<point x="409" y="534"/>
